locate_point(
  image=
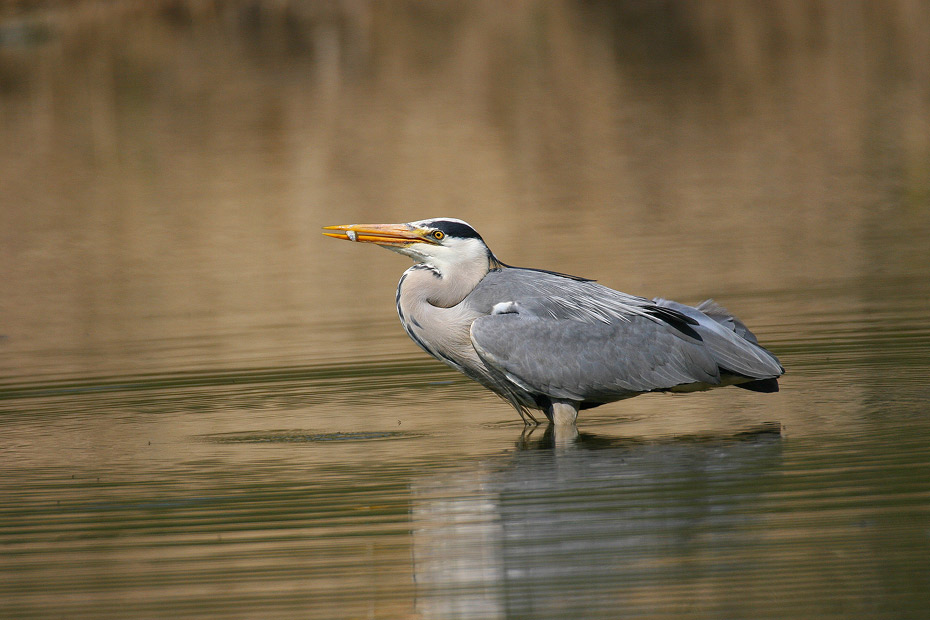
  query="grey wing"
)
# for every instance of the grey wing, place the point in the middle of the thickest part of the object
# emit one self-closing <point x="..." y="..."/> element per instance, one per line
<point x="589" y="362"/>
<point x="548" y="295"/>
<point x="723" y="316"/>
<point x="733" y="346"/>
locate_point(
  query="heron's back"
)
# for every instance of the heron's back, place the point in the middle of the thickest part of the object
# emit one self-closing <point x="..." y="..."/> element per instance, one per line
<point x="611" y="343"/>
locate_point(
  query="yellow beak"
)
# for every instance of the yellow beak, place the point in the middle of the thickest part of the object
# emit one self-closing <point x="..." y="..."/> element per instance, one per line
<point x="382" y="234"/>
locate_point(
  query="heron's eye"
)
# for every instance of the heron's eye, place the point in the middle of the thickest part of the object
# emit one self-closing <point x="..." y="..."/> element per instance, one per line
<point x="438" y="235"/>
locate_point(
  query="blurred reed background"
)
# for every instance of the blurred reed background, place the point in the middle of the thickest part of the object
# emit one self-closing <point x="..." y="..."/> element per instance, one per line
<point x="165" y="164"/>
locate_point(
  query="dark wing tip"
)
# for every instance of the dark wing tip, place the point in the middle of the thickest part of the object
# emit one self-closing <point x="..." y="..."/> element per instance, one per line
<point x="675" y="319"/>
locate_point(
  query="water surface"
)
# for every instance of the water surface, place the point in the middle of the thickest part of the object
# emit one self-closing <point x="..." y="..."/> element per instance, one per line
<point x="208" y="409"/>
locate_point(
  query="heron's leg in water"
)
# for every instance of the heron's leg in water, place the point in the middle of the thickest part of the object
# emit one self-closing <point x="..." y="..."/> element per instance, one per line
<point x="562" y="413"/>
<point x="524" y="414"/>
<point x="525" y="435"/>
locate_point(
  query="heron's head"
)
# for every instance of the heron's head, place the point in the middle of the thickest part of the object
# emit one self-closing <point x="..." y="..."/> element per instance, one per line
<point x="443" y="243"/>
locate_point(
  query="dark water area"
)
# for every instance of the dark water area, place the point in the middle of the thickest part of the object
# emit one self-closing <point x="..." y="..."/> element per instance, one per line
<point x="207" y="409"/>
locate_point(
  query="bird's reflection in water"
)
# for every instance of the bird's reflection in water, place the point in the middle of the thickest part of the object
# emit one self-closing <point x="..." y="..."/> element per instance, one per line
<point x="583" y="526"/>
<point x="555" y="437"/>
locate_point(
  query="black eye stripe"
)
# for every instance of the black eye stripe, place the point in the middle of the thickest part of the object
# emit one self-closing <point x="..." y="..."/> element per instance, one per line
<point x="455" y="229"/>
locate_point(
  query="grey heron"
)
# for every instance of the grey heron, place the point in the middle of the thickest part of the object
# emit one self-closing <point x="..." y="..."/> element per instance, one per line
<point x="552" y="342"/>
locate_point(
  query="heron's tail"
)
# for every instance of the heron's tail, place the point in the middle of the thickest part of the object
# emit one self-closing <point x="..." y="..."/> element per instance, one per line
<point x="735" y="348"/>
<point x="722" y="316"/>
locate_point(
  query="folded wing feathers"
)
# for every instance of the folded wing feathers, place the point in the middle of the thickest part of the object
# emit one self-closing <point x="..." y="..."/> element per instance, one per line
<point x="569" y="359"/>
<point x="642" y="344"/>
<point x="735" y="348"/>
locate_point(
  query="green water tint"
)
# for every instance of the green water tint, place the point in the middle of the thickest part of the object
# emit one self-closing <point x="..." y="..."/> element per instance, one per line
<point x="298" y="436"/>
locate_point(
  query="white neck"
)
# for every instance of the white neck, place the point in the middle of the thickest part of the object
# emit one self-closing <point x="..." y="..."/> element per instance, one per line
<point x="429" y="300"/>
<point x="443" y="276"/>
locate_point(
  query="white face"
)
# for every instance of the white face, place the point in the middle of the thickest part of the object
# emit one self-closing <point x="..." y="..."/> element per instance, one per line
<point x="442" y="251"/>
